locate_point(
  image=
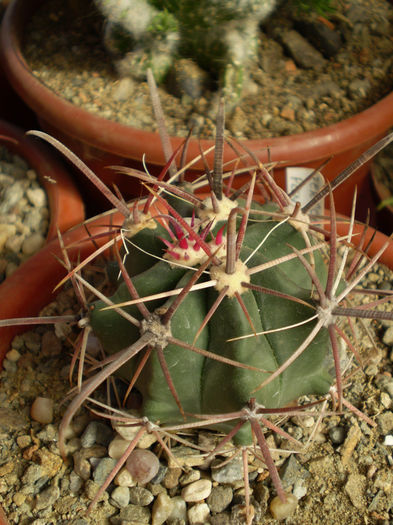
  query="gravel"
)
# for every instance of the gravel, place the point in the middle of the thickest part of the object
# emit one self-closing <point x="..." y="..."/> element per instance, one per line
<point x="24" y="212"/>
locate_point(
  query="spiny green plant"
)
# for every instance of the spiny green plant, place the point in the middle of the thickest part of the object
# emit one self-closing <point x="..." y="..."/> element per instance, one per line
<point x="227" y="307"/>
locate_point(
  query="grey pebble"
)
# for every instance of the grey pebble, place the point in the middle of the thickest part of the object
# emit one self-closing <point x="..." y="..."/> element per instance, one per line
<point x="96" y="432"/>
<point x="291" y="471"/>
<point x="103" y="469"/>
<point x="337" y="435"/>
<point x="162" y="470"/>
<point x="220" y="497"/>
<point x="232" y="471"/>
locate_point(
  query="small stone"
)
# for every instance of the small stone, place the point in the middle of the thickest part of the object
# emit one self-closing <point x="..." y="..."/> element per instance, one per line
<point x="47" y="497"/>
<point x="120" y="496"/>
<point x="162" y="509"/>
<point x="337" y="435"/>
<point x="129" y="432"/>
<point x="140" y="496"/>
<point x="185" y="457"/>
<point x="81" y="466"/>
<point x="281" y="510"/>
<point x="219" y="498"/>
<point x="179" y="509"/>
<point x="91" y="489"/>
<point x="388" y="441"/>
<point x="355" y="488"/>
<point x="386" y="400"/>
<point x="42" y="410"/>
<point x="143" y="465"/>
<point x="189" y="477"/>
<point x="117" y="447"/>
<point x="171" y="479"/>
<point x="387" y="338"/>
<point x="103" y="469"/>
<point x="134" y="514"/>
<point x="23" y="441"/>
<point x="198" y="514"/>
<point x="197" y="491"/>
<point x="302" y="52"/>
<point x="292" y="470"/>
<point x="385" y="422"/>
<point x="124" y="479"/>
<point x="37" y="197"/>
<point x="228" y="473"/>
<point x="96" y="432"/>
<point x="350" y="443"/>
<point x="123" y="89"/>
<point x="33" y="243"/>
<point x="13" y="355"/>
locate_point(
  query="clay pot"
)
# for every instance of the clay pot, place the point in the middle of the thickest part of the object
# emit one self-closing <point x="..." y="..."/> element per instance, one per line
<point x="65" y="203"/>
<point x="100" y="142"/>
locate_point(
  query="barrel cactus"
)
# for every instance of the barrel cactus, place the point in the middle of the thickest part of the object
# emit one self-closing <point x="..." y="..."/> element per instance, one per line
<point x="225" y="307"/>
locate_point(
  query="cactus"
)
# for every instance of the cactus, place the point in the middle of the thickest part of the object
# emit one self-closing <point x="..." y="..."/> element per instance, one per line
<point x="226" y="308"/>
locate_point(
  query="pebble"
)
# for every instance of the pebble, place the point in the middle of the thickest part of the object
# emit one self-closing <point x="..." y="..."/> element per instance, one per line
<point x="179" y="509"/>
<point x="96" y="432"/>
<point x="387" y="338"/>
<point x="219" y="498"/>
<point x="140" y="496"/>
<point x="197" y="491"/>
<point x="355" y="488"/>
<point x="162" y="508"/>
<point x="103" y="469"/>
<point x="143" y="465"/>
<point x="47" y="497"/>
<point x="337" y="435"/>
<point x="281" y="510"/>
<point x="134" y="514"/>
<point x="124" y="479"/>
<point x="385" y="422"/>
<point x="117" y="447"/>
<point x="42" y="410"/>
<point x="228" y="473"/>
<point x="32" y="243"/>
<point x="189" y="477"/>
<point x="198" y="514"/>
<point x="120" y="496"/>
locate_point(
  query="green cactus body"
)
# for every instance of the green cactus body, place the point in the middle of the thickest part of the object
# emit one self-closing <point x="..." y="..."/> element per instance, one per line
<point x="208" y="386"/>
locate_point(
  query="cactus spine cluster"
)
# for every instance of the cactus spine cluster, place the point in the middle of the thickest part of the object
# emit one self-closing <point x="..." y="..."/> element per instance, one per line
<point x="228" y="318"/>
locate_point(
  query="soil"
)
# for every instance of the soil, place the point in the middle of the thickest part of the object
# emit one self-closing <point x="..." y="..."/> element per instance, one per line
<point x="344" y="475"/>
<point x="65" y="51"/>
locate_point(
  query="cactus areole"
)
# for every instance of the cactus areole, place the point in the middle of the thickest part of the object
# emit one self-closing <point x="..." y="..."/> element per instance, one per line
<point x="226" y="335"/>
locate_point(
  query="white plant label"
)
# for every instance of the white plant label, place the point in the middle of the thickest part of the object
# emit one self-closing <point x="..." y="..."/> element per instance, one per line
<point x="295" y="176"/>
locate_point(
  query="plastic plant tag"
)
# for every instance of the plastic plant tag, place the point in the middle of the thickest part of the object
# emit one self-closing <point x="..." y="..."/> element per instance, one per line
<point x="294" y="176"/>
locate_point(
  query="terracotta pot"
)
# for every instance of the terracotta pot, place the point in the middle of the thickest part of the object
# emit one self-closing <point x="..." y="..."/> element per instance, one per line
<point x="65" y="204"/>
<point x="102" y="143"/>
<point x="384" y="216"/>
